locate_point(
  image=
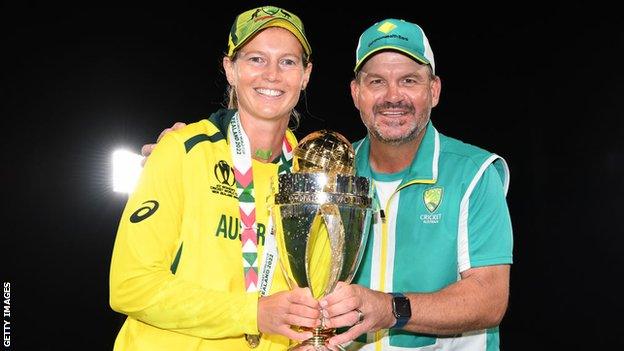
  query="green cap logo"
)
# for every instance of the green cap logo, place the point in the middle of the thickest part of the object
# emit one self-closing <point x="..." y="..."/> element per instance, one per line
<point x="432" y="198"/>
<point x="386" y="27"/>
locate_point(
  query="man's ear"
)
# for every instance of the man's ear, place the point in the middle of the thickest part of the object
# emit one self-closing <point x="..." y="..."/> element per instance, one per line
<point x="355" y="93"/>
<point x="436" y="89"/>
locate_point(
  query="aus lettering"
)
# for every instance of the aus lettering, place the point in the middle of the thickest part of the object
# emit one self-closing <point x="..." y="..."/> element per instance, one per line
<point x="229" y="228"/>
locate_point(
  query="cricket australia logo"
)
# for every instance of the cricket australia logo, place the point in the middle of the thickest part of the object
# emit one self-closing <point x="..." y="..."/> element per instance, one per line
<point x="225" y="176"/>
<point x="432" y="198"/>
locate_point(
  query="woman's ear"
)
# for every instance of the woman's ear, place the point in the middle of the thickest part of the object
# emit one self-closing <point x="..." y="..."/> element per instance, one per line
<point x="306" y="76"/>
<point x="228" y="67"/>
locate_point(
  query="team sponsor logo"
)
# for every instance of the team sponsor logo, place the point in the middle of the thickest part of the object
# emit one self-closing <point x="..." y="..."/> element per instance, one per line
<point x="432" y="198"/>
<point x="145" y="211"/>
<point x="386" y="28"/>
<point x="224" y="174"/>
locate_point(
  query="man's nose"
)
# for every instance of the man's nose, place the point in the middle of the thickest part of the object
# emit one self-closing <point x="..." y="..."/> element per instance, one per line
<point x="393" y="93"/>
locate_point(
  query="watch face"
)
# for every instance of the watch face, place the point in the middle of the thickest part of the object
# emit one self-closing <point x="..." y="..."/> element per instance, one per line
<point x="402" y="307"/>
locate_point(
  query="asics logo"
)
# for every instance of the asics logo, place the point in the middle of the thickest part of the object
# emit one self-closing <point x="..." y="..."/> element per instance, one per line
<point x="145" y="211"/>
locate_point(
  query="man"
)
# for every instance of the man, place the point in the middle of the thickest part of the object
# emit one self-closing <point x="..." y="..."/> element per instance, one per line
<point x="442" y="241"/>
<point x="435" y="272"/>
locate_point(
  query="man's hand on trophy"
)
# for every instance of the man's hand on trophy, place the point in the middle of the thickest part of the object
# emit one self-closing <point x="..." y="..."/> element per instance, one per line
<point x="362" y="309"/>
<point x="278" y="312"/>
<point x="147" y="149"/>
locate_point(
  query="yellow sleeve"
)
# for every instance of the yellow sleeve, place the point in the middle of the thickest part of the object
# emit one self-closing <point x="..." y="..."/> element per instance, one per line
<point x="142" y="284"/>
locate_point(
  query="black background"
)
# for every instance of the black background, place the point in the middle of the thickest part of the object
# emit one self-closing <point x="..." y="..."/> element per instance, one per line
<point x="538" y="83"/>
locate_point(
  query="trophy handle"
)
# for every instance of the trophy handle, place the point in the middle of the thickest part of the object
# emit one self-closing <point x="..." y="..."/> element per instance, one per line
<point x="335" y="230"/>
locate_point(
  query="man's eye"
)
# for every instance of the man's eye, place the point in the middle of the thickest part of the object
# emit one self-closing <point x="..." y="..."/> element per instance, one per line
<point x="288" y="62"/>
<point x="376" y="82"/>
<point x="410" y="81"/>
<point x="256" y="59"/>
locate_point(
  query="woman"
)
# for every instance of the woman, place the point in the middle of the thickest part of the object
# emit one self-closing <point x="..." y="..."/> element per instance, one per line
<point x="185" y="274"/>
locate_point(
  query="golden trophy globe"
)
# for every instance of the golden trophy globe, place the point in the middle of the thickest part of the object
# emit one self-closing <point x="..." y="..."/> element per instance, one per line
<point x="322" y="214"/>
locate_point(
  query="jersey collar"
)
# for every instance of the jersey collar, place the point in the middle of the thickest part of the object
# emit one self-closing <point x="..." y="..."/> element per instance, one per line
<point x="221" y="119"/>
<point x="424" y="167"/>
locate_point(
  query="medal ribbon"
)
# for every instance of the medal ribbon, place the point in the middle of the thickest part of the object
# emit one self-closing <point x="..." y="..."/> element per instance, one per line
<point x="241" y="156"/>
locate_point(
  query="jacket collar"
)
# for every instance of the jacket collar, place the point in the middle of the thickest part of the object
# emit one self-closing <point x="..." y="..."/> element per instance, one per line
<point x="221" y="119"/>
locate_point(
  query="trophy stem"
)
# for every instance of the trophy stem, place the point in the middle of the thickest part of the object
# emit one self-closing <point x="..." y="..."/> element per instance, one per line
<point x="319" y="336"/>
<point x="317" y="341"/>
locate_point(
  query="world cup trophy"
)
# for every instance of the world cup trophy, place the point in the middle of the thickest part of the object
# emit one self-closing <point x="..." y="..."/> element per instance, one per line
<point x="322" y="214"/>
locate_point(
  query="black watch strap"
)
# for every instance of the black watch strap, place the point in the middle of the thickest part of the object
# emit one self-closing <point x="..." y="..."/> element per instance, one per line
<point x="401" y="309"/>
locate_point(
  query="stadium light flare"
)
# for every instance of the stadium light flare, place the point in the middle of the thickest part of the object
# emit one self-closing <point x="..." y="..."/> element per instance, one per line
<point x="126" y="171"/>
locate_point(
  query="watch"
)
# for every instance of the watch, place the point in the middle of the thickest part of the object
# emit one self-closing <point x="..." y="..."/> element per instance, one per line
<point x="401" y="309"/>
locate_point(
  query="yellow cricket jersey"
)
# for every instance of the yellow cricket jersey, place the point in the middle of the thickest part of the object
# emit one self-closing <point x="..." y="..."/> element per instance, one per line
<point x="176" y="269"/>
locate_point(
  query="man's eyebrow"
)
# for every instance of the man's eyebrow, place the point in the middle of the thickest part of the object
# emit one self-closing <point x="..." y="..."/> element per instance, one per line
<point x="367" y="74"/>
<point x="412" y="75"/>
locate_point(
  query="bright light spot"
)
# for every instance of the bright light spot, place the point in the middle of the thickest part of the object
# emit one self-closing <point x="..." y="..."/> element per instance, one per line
<point x="321" y="198"/>
<point x="322" y="179"/>
<point x="126" y="171"/>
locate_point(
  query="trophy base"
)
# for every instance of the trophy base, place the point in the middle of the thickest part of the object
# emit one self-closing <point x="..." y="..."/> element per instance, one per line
<point x="318" y="341"/>
<point x="304" y="347"/>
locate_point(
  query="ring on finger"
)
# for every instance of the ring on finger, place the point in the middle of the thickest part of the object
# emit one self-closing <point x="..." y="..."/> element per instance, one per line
<point x="360" y="316"/>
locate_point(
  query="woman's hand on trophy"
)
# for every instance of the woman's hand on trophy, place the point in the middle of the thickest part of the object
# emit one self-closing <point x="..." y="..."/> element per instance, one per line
<point x="362" y="309"/>
<point x="278" y="312"/>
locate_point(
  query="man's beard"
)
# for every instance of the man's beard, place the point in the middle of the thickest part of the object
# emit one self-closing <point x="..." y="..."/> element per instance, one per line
<point x="409" y="135"/>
